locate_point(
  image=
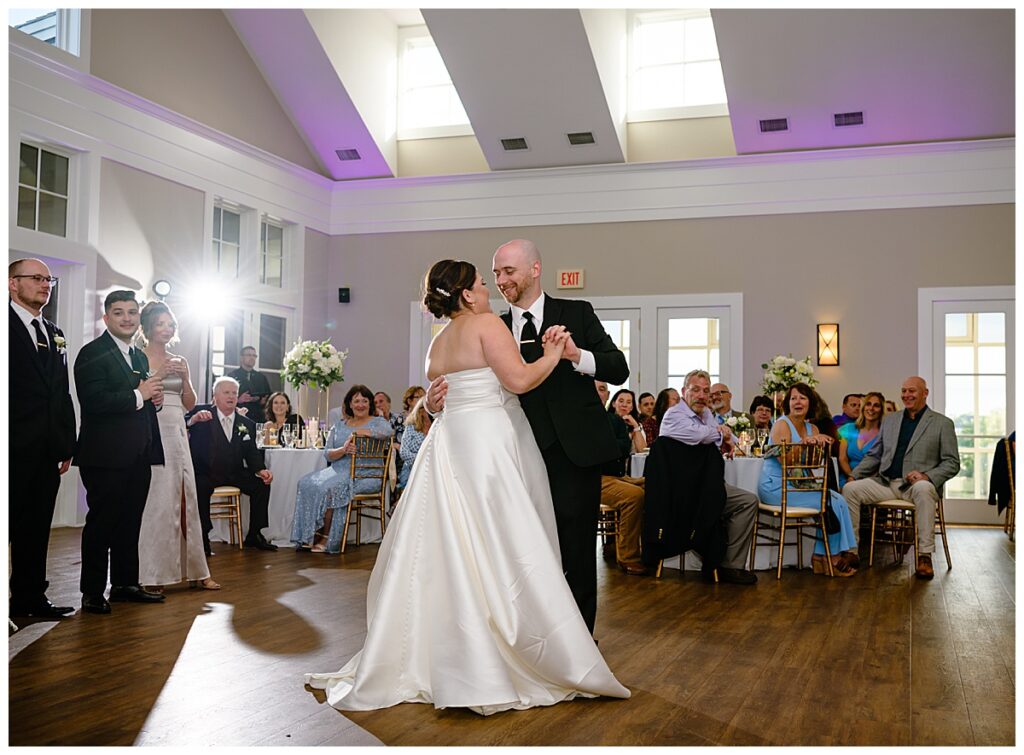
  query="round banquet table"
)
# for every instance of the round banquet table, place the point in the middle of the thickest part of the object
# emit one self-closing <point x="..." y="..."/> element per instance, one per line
<point x="288" y="465"/>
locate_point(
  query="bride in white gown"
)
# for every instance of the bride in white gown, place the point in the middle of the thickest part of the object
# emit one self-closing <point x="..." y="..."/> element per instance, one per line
<point x="467" y="605"/>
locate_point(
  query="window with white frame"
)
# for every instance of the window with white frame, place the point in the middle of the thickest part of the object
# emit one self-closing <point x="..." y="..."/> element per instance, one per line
<point x="674" y="69"/>
<point x="428" y="104"/>
<point x="692" y="345"/>
<point x="227" y="239"/>
<point x="271" y="253"/>
<point x="43" y="190"/>
<point x="60" y="27"/>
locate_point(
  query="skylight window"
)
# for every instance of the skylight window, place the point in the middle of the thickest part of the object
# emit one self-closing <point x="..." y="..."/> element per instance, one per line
<point x="428" y="104"/>
<point x="675" y="71"/>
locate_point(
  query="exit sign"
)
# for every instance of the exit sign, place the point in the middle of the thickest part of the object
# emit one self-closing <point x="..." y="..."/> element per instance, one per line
<point x="570" y="278"/>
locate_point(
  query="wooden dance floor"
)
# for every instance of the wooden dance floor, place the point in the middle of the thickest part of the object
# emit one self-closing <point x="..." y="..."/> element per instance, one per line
<point x="879" y="659"/>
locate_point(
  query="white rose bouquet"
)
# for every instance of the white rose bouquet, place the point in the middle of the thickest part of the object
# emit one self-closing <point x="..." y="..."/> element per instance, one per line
<point x="315" y="364"/>
<point x="783" y="371"/>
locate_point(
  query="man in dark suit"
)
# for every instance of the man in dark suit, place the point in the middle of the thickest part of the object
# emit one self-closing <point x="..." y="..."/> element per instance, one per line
<point x="118" y="444"/>
<point x="40" y="408"/>
<point x="223" y="445"/>
<point x="253" y="385"/>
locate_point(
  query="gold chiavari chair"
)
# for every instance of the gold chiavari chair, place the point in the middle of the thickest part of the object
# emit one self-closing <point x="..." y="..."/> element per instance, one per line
<point x="803" y="471"/>
<point x="226" y="503"/>
<point x="370" y="460"/>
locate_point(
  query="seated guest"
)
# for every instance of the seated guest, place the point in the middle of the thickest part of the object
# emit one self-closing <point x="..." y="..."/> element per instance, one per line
<point x="721" y="403"/>
<point x="822" y="419"/>
<point x="223" y="447"/>
<point x="417" y="425"/>
<point x="890" y="406"/>
<point x="278" y="411"/>
<point x="798" y="406"/>
<point x="382" y="408"/>
<point x="323" y="497"/>
<point x="851" y="409"/>
<point x="861" y="434"/>
<point x="623" y="405"/>
<point x="645" y="406"/>
<point x="666" y="399"/>
<point x="761" y="413"/>
<point x="692" y="422"/>
<point x="915" y="455"/>
<point x="624" y="494"/>
<point x="412" y="394"/>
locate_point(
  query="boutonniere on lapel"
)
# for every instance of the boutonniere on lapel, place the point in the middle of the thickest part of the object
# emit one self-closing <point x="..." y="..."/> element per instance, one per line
<point x="60" y="343"/>
<point x="243" y="432"/>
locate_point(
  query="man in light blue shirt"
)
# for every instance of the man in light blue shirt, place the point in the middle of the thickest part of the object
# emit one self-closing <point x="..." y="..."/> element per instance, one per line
<point x="691" y="421"/>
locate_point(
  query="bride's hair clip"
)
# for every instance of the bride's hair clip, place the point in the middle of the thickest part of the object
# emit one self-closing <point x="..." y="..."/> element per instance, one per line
<point x="442" y="292"/>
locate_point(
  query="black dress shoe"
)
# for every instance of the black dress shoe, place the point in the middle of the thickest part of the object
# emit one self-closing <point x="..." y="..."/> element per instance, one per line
<point x="260" y="542"/>
<point x="95" y="604"/>
<point x="41" y="610"/>
<point x="736" y="576"/>
<point x="134" y="594"/>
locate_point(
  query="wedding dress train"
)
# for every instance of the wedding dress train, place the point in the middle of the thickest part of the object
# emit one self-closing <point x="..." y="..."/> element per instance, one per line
<point x="467" y="605"/>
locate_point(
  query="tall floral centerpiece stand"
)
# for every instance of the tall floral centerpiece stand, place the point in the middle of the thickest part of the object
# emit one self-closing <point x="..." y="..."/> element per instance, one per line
<point x="311" y="368"/>
<point x="782" y="372"/>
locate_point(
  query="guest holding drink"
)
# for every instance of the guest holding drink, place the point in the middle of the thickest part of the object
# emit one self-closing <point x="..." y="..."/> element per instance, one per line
<point x="278" y="410"/>
<point x="323" y="497"/>
<point x="171" y="537"/>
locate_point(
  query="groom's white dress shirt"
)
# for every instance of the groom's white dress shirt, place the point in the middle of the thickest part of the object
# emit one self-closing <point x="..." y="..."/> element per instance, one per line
<point x="127" y="358"/>
<point x="587" y="364"/>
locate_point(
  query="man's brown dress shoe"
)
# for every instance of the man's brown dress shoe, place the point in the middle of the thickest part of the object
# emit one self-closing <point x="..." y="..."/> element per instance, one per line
<point x="924" y="567"/>
<point x="633" y="569"/>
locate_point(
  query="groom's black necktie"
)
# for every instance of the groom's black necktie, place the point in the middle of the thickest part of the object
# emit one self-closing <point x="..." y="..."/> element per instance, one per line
<point x="529" y="343"/>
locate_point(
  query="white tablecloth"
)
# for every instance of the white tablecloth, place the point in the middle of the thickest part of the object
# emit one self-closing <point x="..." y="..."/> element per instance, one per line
<point x="743" y="472"/>
<point x="289" y="465"/>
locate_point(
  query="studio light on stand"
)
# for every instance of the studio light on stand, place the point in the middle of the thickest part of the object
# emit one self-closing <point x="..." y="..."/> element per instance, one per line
<point x="162" y="289"/>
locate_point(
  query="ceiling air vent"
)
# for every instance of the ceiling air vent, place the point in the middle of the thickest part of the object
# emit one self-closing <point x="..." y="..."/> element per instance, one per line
<point x="774" y="124"/>
<point x="581" y="137"/>
<point x="511" y="145"/>
<point x="347" y="154"/>
<point x="848" y="119"/>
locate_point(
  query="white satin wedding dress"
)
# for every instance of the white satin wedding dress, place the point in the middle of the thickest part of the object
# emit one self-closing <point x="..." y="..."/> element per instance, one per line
<point x="467" y="605"/>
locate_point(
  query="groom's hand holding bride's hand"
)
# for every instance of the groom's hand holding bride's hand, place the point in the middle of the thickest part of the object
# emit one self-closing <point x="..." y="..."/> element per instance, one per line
<point x="564" y="338"/>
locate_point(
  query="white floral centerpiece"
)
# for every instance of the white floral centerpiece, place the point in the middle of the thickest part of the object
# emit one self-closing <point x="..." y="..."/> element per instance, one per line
<point x="738" y="424"/>
<point x="783" y="371"/>
<point x="314" y="365"/>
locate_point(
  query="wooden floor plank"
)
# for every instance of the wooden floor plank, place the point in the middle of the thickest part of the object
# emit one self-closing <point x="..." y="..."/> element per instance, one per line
<point x="878" y="659"/>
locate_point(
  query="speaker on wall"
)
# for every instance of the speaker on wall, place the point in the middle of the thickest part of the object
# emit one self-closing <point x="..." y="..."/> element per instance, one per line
<point x="344" y="296"/>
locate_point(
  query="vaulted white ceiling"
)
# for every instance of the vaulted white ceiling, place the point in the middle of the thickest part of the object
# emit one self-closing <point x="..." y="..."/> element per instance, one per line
<point x="916" y="75"/>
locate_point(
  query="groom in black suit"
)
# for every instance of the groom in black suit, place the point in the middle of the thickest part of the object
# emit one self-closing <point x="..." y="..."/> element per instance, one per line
<point x="118" y="444"/>
<point x="568" y="421"/>
<point x="223" y="446"/>
<point x="40" y="408"/>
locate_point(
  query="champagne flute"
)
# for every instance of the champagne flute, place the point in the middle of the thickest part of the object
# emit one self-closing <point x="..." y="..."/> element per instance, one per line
<point x="259" y="435"/>
<point x="286" y="435"/>
<point x="762" y="439"/>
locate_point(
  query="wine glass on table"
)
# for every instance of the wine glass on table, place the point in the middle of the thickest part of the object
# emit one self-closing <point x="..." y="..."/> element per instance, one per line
<point x="762" y="439"/>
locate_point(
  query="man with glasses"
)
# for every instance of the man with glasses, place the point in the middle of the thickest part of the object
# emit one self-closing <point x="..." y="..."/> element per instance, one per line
<point x="721" y="403"/>
<point x="40" y="406"/>
<point x="253" y="387"/>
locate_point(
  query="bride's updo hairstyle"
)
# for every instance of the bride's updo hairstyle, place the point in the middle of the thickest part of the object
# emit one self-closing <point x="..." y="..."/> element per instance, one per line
<point x="444" y="284"/>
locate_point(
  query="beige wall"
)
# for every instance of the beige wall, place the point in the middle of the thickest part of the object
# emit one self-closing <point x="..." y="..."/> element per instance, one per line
<point x="192" y="62"/>
<point x="860" y="269"/>
<point x="441" y="157"/>
<point x="684" y="139"/>
<point x="317" y="288"/>
<point x="150" y="228"/>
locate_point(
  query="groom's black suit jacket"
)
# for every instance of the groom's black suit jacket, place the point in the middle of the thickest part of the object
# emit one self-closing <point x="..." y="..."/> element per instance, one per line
<point x="114" y="434"/>
<point x="566" y="407"/>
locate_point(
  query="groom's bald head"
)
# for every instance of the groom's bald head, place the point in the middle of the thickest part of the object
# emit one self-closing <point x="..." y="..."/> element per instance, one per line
<point x="517" y="272"/>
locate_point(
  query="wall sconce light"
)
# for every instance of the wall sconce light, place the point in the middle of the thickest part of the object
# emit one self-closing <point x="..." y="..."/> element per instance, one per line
<point x="828" y="344"/>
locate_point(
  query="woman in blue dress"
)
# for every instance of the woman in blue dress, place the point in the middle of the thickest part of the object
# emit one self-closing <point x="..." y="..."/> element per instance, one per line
<point x="323" y="497"/>
<point x="417" y="425"/>
<point x="793" y="427"/>
<point x="861" y="434"/>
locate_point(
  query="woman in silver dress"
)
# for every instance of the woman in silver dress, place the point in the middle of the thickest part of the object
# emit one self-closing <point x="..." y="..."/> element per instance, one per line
<point x="171" y="538"/>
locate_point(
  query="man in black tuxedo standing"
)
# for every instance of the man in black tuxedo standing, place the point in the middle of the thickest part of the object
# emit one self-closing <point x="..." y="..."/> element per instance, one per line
<point x="565" y="414"/>
<point x="253" y="385"/>
<point x="40" y="408"/>
<point x="118" y="444"/>
<point x="223" y="446"/>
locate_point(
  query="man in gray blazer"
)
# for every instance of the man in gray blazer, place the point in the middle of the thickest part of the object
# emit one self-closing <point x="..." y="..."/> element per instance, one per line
<point x="915" y="455"/>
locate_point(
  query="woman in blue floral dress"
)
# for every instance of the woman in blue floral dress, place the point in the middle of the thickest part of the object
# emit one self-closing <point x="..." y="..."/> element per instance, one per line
<point x="323" y="497"/>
